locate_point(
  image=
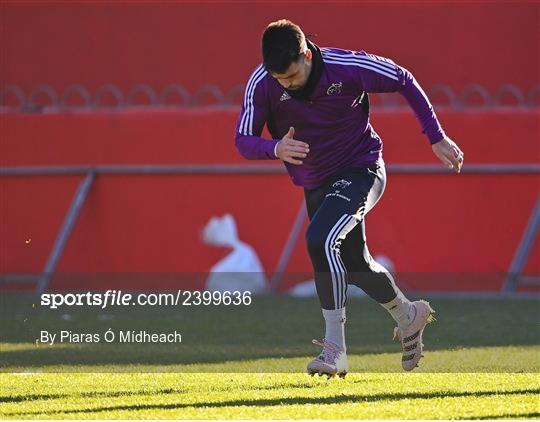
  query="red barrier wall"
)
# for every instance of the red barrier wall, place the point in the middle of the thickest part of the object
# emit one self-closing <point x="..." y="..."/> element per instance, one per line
<point x="442" y="223"/>
<point x="94" y="43"/>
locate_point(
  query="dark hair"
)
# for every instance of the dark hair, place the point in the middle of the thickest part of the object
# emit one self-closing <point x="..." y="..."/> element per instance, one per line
<point x="282" y="44"/>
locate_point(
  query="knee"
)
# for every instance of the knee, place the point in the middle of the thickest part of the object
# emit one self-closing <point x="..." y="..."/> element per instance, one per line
<point x="368" y="274"/>
<point x="361" y="266"/>
<point x="372" y="265"/>
<point x="363" y="262"/>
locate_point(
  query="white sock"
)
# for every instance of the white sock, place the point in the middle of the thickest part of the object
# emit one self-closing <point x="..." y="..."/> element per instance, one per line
<point x="335" y="326"/>
<point x="401" y="310"/>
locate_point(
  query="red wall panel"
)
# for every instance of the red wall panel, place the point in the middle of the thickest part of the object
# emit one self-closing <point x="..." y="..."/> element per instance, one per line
<point x="206" y="136"/>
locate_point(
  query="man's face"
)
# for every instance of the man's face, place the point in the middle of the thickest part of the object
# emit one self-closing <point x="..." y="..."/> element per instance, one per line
<point x="297" y="74"/>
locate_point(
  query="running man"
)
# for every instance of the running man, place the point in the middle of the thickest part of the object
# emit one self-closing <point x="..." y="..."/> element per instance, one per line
<point x="315" y="104"/>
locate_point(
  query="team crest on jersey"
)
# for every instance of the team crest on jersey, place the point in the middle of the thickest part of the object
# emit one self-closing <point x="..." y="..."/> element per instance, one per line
<point x="335" y="88"/>
<point x="341" y="184"/>
<point x="285" y="96"/>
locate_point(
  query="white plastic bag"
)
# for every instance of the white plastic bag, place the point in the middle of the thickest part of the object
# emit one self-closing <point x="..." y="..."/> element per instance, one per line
<point x="241" y="270"/>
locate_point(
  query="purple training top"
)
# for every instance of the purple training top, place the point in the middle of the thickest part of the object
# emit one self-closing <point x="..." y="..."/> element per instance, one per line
<point x="334" y="119"/>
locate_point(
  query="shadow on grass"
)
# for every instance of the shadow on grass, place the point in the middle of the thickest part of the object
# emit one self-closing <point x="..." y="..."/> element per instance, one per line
<point x="105" y="394"/>
<point x="92" y="394"/>
<point x="506" y="416"/>
<point x="283" y="401"/>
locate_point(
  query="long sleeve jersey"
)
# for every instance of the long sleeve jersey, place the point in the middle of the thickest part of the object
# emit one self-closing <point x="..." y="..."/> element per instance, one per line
<point x="334" y="120"/>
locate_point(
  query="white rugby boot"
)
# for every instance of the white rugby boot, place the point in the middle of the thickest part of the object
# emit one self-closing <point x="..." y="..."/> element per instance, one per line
<point x="332" y="360"/>
<point x="411" y="335"/>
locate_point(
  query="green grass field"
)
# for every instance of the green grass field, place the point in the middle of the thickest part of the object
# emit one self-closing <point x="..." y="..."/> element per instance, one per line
<point x="482" y="362"/>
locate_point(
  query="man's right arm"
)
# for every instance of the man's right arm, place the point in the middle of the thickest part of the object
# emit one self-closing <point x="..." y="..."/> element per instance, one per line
<point x="253" y="117"/>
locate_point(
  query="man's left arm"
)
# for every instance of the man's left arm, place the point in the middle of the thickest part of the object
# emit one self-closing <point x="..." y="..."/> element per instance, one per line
<point x="383" y="75"/>
<point x="443" y="147"/>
